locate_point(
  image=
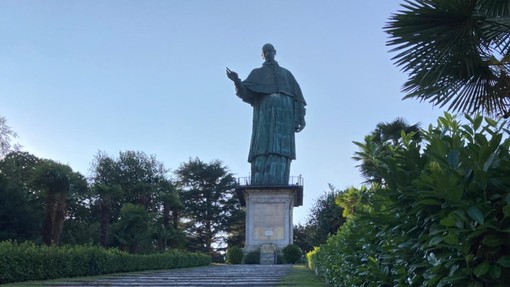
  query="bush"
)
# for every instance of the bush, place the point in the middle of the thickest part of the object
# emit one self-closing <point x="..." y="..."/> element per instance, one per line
<point x="439" y="217"/>
<point x="218" y="258"/>
<point x="235" y="255"/>
<point x="252" y="257"/>
<point x="27" y="261"/>
<point x="292" y="253"/>
<point x="279" y="259"/>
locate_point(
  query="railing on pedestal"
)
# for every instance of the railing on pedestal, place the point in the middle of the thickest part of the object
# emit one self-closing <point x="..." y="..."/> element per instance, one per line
<point x="293" y="181"/>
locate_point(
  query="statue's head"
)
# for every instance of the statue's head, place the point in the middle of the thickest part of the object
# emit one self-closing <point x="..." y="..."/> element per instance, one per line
<point x="268" y="52"/>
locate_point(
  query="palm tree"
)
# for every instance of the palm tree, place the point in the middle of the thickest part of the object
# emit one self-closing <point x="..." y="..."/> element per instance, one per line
<point x="456" y="52"/>
<point x="392" y="131"/>
<point x="107" y="194"/>
<point x="376" y="145"/>
<point x="54" y="179"/>
<point x="169" y="199"/>
<point x="368" y="157"/>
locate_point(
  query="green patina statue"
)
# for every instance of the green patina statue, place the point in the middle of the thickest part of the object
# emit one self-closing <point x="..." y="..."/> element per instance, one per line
<point x="278" y="112"/>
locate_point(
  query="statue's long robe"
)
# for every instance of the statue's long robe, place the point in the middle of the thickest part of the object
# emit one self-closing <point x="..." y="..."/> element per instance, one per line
<point x="277" y="103"/>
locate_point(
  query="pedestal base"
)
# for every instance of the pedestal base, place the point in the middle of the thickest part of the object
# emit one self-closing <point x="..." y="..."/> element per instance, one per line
<point x="269" y="215"/>
<point x="268" y="254"/>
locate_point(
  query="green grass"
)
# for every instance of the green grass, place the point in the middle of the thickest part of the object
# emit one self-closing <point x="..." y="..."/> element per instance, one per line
<point x="302" y="276"/>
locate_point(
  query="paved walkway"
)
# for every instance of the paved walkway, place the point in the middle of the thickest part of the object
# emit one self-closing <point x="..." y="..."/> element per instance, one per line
<point x="212" y="275"/>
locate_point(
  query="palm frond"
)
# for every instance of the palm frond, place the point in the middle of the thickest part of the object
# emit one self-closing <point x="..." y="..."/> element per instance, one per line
<point x="450" y="49"/>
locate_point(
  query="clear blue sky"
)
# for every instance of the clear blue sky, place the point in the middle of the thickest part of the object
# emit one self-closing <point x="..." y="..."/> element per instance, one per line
<point x="77" y="77"/>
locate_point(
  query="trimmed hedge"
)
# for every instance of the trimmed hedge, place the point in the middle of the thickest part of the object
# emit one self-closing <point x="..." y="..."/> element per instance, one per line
<point x="28" y="261"/>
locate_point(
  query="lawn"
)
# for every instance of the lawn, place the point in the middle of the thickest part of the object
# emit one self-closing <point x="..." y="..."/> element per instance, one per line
<point x="302" y="276"/>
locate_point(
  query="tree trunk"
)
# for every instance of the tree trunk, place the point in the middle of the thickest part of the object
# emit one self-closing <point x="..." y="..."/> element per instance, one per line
<point x="166" y="225"/>
<point x="105" y="223"/>
<point x="48" y="219"/>
<point x="175" y="215"/>
<point x="58" y="223"/>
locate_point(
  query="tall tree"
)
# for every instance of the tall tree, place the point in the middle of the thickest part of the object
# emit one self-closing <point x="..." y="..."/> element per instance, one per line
<point x="107" y="195"/>
<point x="106" y="186"/>
<point x="6" y="137"/>
<point x="21" y="203"/>
<point x="302" y="237"/>
<point x="206" y="190"/>
<point x="325" y="216"/>
<point x="56" y="180"/>
<point x="19" y="219"/>
<point x="137" y="178"/>
<point x="171" y="206"/>
<point x="456" y="52"/>
<point x="79" y="221"/>
<point x="133" y="228"/>
<point x="235" y="223"/>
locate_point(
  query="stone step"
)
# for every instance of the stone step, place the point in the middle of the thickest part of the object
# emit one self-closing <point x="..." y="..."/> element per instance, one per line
<point x="212" y="275"/>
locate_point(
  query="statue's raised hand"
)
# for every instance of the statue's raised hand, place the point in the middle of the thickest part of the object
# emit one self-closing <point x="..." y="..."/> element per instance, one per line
<point x="233" y="76"/>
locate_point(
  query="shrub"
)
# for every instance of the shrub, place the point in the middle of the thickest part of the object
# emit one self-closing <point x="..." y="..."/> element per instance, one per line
<point x="311" y="257"/>
<point x="235" y="255"/>
<point x="439" y="217"/>
<point x="292" y="254"/>
<point x="252" y="257"/>
<point x="279" y="259"/>
<point x="27" y="261"/>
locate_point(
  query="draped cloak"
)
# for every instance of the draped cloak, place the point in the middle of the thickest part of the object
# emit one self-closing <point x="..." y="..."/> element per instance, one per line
<point x="278" y="105"/>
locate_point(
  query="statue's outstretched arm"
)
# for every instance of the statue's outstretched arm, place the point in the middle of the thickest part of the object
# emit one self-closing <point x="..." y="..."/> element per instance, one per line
<point x="241" y="90"/>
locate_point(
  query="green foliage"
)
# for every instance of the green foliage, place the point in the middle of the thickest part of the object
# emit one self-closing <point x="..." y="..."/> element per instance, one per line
<point x="312" y="258"/>
<point x="292" y="254"/>
<point x="21" y="211"/>
<point x="279" y="259"/>
<point x="135" y="179"/>
<point x="17" y="216"/>
<point x="440" y="216"/>
<point x="210" y="207"/>
<point x="324" y="220"/>
<point x="455" y="52"/>
<point x="6" y="137"/>
<point x="235" y="255"/>
<point x="252" y="257"/>
<point x="54" y="179"/>
<point x="376" y="145"/>
<point x="27" y="261"/>
<point x="132" y="230"/>
<point x="130" y="204"/>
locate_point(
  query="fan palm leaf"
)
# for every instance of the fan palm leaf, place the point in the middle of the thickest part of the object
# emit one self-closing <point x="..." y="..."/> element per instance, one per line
<point x="456" y="52"/>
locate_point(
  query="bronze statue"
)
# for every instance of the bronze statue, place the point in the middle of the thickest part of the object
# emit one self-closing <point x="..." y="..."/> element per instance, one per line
<point x="278" y="112"/>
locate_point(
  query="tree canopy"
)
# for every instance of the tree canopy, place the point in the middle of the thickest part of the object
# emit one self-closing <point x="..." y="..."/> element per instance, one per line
<point x="7" y="135"/>
<point x="207" y="192"/>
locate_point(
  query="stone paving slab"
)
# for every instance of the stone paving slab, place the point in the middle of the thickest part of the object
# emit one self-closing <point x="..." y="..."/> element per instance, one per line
<point x="212" y="275"/>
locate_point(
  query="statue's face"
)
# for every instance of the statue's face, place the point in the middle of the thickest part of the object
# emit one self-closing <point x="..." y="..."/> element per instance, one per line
<point x="268" y="53"/>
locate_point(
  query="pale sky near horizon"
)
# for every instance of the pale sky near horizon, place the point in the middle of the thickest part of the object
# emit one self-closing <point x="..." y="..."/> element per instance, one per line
<point x="78" y="77"/>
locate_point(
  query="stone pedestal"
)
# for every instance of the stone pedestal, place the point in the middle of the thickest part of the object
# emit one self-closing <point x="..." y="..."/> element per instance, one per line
<point x="269" y="215"/>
